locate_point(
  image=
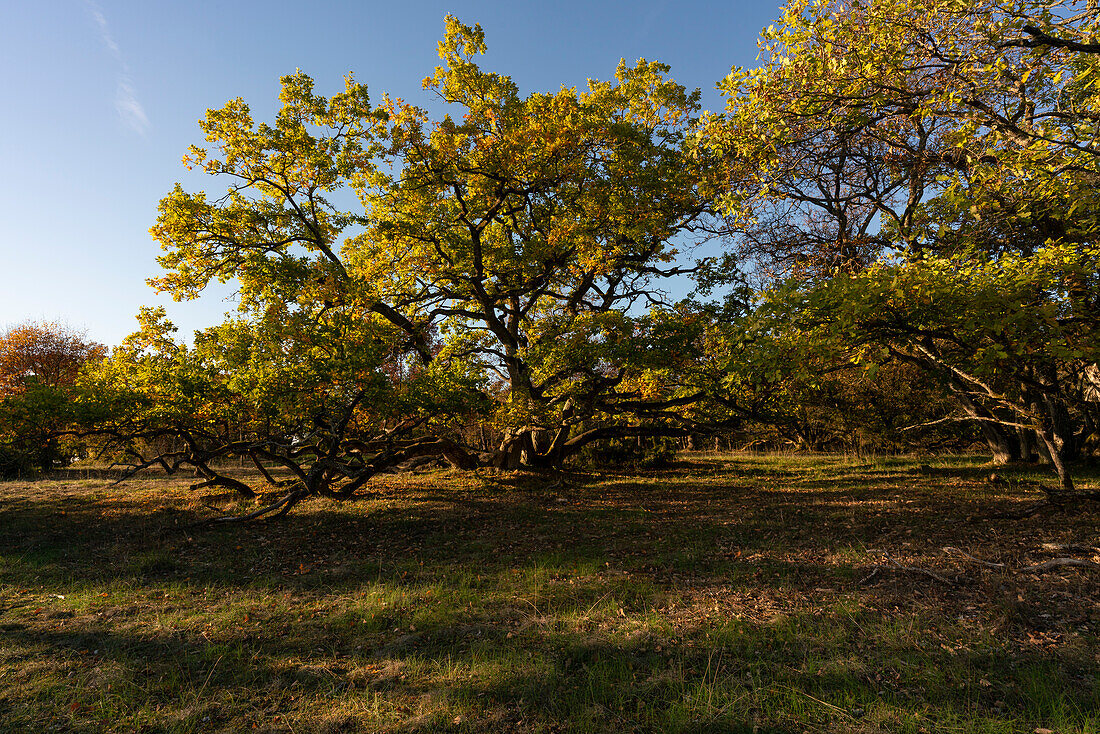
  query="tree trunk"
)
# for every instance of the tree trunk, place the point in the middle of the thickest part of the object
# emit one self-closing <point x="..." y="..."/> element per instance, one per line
<point x="1062" y="428"/>
<point x="1057" y="458"/>
<point x="531" y="448"/>
<point x="458" y="457"/>
<point x="1029" y="444"/>
<point x="513" y="451"/>
<point x="1003" y="442"/>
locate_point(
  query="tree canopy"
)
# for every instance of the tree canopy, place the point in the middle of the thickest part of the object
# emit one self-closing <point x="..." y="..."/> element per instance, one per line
<point x="929" y="164"/>
<point x="902" y="194"/>
<point x="505" y="261"/>
<point x="40" y="363"/>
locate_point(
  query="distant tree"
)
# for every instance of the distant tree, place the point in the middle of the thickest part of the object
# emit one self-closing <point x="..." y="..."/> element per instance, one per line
<point x="39" y="366"/>
<point x="44" y="353"/>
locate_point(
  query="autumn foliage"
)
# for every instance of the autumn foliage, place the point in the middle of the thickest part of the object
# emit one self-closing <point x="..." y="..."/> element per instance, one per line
<point x="890" y="230"/>
<point x="40" y="363"/>
<point x="47" y="353"/>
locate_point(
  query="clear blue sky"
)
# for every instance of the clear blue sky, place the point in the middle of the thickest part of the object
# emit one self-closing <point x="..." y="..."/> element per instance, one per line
<point x="101" y="101"/>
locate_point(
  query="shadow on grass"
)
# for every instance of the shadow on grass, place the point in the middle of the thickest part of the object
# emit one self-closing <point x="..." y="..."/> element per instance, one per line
<point x="704" y="528"/>
<point x="848" y="670"/>
<point x="712" y="599"/>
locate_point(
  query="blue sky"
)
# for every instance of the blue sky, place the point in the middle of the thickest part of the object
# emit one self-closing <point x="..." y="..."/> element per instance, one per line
<point x="101" y="100"/>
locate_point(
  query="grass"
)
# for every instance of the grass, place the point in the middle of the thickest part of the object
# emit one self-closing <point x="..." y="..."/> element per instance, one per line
<point x="729" y="593"/>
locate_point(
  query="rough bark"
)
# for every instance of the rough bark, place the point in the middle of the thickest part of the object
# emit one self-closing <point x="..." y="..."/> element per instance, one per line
<point x="1003" y="442"/>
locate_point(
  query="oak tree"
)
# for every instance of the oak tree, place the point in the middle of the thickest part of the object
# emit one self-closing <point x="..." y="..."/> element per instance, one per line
<point x="397" y="272"/>
<point x="39" y="365"/>
<point x="964" y="133"/>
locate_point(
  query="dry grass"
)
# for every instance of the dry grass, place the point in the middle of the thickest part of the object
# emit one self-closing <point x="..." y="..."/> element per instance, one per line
<point x="725" y="594"/>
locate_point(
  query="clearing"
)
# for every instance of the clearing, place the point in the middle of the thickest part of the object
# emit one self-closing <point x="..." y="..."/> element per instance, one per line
<point x="727" y="593"/>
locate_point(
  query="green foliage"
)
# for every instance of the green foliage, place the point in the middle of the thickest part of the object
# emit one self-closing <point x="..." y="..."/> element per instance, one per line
<point x="910" y="125"/>
<point x="523" y="238"/>
<point x="15" y="463"/>
<point x="631" y="453"/>
<point x="1010" y="336"/>
<point x="40" y="429"/>
<point x="909" y="186"/>
<point x="40" y="403"/>
<point x="332" y="397"/>
<point x="913" y="181"/>
<point x="1003" y="315"/>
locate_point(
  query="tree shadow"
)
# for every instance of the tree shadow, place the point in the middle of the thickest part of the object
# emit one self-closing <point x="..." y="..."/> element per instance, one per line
<point x="616" y="604"/>
<point x="733" y="676"/>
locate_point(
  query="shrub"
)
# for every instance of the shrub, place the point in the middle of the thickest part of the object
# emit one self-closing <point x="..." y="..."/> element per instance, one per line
<point x="631" y="453"/>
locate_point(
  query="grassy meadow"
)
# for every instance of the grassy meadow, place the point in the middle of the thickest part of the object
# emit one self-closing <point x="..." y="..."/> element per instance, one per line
<point x="729" y="593"/>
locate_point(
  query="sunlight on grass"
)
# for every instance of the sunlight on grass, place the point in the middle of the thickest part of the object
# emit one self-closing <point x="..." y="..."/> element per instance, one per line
<point x="724" y="597"/>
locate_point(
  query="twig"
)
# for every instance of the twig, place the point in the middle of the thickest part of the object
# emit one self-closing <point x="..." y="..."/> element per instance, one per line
<point x="1027" y="512"/>
<point x="818" y="700"/>
<point x="1058" y="563"/>
<point x="208" y="675"/>
<point x="1035" y="568"/>
<point x="1056" y="499"/>
<point x="917" y="569"/>
<point x="870" y="576"/>
<point x="1070" y="547"/>
<point x="596" y="603"/>
<point x="990" y="564"/>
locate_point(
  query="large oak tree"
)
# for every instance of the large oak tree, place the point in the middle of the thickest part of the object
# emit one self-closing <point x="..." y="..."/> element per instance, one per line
<point x="514" y="249"/>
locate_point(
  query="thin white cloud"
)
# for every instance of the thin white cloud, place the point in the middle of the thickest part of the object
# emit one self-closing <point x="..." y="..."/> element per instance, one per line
<point x="129" y="109"/>
<point x="104" y="30"/>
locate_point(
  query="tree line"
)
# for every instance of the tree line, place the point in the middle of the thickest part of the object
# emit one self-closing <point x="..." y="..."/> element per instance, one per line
<point x="889" y="232"/>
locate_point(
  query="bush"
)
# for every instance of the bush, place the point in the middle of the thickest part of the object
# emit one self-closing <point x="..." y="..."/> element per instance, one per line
<point x="16" y="462"/>
<point x="630" y="453"/>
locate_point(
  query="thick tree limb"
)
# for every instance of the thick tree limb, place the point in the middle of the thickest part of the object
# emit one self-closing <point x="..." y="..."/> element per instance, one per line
<point x="279" y="507"/>
<point x="1040" y="37"/>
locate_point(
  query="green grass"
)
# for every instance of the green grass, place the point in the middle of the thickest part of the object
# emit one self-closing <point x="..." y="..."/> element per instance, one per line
<point x="722" y="595"/>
